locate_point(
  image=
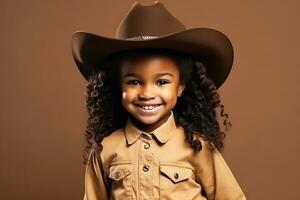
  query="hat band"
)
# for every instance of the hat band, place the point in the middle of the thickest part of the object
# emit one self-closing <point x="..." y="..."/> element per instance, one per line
<point x="142" y="37"/>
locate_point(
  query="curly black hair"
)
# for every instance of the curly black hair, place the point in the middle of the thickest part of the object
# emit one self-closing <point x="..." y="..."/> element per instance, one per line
<point x="195" y="110"/>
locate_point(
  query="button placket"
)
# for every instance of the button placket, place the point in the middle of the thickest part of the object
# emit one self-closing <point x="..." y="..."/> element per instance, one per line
<point x="145" y="167"/>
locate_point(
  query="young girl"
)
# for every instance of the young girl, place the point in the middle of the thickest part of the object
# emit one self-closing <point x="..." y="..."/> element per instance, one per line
<point x="152" y="129"/>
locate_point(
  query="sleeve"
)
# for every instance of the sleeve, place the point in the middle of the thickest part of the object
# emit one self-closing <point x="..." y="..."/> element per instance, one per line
<point x="215" y="176"/>
<point x="95" y="188"/>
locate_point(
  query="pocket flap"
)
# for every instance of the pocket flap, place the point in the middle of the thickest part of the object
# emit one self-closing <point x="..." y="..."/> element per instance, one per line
<point x="176" y="172"/>
<point x="118" y="171"/>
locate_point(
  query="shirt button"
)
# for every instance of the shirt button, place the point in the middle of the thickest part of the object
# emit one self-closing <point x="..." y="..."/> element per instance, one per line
<point x="146" y="146"/>
<point x="117" y="175"/>
<point x="146" y="168"/>
<point x="176" y="176"/>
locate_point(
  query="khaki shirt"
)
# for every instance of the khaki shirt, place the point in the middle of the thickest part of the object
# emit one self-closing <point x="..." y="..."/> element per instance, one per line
<point x="143" y="166"/>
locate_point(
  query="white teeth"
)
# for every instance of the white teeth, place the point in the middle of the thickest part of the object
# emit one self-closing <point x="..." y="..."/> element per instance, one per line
<point x="148" y="107"/>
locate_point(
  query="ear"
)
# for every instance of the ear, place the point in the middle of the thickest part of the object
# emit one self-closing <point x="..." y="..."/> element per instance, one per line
<point x="180" y="89"/>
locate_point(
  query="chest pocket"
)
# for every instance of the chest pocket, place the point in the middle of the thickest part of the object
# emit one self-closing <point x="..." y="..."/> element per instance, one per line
<point x="176" y="173"/>
<point x="177" y="179"/>
<point x="121" y="180"/>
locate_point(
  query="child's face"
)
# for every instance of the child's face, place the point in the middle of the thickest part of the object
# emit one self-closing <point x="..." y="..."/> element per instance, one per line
<point x="152" y="81"/>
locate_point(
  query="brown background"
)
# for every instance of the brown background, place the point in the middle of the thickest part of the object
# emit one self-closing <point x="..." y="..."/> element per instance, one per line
<point x="42" y="106"/>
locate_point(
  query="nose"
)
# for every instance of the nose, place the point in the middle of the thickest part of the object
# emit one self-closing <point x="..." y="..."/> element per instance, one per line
<point x="146" y="92"/>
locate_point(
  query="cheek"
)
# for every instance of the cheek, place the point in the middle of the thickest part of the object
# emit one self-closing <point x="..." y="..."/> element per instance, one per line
<point x="170" y="94"/>
<point x="127" y="96"/>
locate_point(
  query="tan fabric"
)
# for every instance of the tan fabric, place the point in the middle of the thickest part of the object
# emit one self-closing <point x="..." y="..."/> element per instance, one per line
<point x="139" y="165"/>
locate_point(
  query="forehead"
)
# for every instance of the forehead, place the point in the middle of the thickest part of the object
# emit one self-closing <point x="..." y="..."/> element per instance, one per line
<point x="148" y="64"/>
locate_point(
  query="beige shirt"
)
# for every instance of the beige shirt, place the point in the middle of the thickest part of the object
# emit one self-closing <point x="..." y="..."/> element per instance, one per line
<point x="143" y="166"/>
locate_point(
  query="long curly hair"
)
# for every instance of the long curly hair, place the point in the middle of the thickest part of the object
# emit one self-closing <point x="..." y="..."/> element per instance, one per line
<point x="195" y="110"/>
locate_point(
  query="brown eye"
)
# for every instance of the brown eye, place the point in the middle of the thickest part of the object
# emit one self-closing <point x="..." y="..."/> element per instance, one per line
<point x="163" y="82"/>
<point x="132" y="82"/>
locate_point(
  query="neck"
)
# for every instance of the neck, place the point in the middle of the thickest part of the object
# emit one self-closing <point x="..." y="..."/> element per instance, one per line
<point x="149" y="127"/>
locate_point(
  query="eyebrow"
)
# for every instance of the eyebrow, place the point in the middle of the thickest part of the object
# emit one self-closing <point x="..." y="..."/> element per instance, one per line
<point x="156" y="75"/>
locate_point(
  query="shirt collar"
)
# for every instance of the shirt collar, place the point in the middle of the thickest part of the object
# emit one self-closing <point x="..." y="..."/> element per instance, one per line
<point x="162" y="133"/>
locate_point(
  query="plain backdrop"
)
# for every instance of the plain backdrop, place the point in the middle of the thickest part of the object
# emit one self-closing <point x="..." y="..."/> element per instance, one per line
<point x="43" y="114"/>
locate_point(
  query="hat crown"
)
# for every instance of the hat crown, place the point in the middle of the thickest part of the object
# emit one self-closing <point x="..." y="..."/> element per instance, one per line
<point x="148" y="20"/>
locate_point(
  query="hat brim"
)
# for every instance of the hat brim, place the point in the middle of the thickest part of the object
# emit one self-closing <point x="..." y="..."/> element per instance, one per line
<point x="212" y="46"/>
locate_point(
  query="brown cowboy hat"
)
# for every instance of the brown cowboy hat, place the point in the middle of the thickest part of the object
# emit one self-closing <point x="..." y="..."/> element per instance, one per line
<point x="153" y="26"/>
